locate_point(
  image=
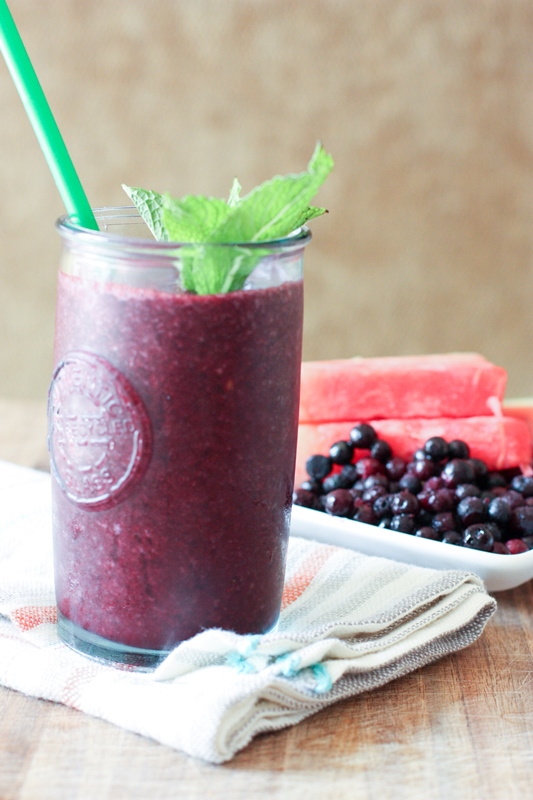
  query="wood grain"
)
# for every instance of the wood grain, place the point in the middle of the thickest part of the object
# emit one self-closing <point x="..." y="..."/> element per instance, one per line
<point x="461" y="728"/>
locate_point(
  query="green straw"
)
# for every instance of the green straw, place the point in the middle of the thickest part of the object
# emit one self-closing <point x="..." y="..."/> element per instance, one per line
<point x="43" y="122"/>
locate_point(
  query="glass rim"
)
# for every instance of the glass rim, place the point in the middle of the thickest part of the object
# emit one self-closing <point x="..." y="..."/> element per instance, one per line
<point x="72" y="230"/>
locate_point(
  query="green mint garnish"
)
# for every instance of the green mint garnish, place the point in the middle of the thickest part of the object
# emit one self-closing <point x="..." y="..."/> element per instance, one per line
<point x="150" y="207"/>
<point x="271" y="211"/>
<point x="193" y="218"/>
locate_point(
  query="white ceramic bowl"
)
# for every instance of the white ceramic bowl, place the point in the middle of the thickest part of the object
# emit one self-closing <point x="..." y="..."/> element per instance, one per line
<point x="499" y="572"/>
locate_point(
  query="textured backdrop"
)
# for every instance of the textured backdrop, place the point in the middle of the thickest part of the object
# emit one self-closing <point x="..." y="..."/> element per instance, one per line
<point x="426" y="105"/>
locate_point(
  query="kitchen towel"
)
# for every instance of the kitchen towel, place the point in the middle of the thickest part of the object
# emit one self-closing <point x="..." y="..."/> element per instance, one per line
<point x="349" y="623"/>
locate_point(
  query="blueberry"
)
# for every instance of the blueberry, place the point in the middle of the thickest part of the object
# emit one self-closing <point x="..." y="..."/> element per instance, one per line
<point x="443" y="522"/>
<point x="376" y="480"/>
<point x="486" y="498"/>
<point x="337" y="481"/>
<point x="363" y="436"/>
<point x="481" y="471"/>
<point x="404" y="503"/>
<point x="523" y="484"/>
<point x="405" y="523"/>
<point x="467" y="490"/>
<point x="339" y="503"/>
<point x="458" y="449"/>
<point x="381" y="450"/>
<point x="496" y="479"/>
<point x="341" y="452"/>
<point x="434" y="483"/>
<point x="499" y="547"/>
<point x="512" y="498"/>
<point x="495" y="530"/>
<point x="522" y="521"/>
<point x="318" y="467"/>
<point x="458" y="471"/>
<point x="305" y="498"/>
<point x="350" y="473"/>
<point x="428" y="533"/>
<point x="321" y="502"/>
<point x="395" y="468"/>
<point x="422" y="468"/>
<point x="411" y="483"/>
<point x="357" y="503"/>
<point x="365" y="513"/>
<point x="381" y="506"/>
<point x="312" y="486"/>
<point x="471" y="510"/>
<point x="424" y="519"/>
<point x="452" y="537"/>
<point x="436" y="448"/>
<point x="499" y="511"/>
<point x="438" y="501"/>
<point x="372" y="494"/>
<point x="368" y="466"/>
<point x="478" y="537"/>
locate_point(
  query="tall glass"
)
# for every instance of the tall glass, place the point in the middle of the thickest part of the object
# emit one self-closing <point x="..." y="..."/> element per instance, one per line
<point x="172" y="434"/>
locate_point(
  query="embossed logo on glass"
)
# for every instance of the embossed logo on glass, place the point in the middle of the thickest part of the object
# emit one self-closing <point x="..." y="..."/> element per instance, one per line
<point x="99" y="431"/>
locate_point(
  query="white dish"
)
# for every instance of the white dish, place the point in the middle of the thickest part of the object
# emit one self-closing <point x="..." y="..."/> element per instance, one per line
<point x="498" y="572"/>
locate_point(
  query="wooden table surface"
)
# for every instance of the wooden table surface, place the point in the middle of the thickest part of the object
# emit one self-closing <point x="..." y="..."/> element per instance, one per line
<point x="460" y="728"/>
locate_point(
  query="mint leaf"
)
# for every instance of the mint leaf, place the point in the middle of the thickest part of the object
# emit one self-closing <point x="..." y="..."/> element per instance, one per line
<point x="235" y="194"/>
<point x="150" y="206"/>
<point x="241" y="267"/>
<point x="310" y="213"/>
<point x="193" y="218"/>
<point x="275" y="208"/>
<point x="271" y="211"/>
<point x="216" y="270"/>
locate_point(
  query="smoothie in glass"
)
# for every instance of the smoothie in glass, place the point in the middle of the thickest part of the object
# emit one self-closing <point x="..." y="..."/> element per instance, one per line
<point x="173" y="423"/>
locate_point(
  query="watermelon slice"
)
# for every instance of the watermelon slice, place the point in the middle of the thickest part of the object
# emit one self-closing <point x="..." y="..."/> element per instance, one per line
<point x="401" y="387"/>
<point x="502" y="442"/>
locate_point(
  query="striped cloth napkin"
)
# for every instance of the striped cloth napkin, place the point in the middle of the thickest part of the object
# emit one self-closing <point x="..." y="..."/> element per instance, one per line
<point x="349" y="623"/>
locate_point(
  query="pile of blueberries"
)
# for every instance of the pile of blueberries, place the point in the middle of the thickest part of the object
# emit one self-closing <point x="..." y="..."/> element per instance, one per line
<point x="442" y="494"/>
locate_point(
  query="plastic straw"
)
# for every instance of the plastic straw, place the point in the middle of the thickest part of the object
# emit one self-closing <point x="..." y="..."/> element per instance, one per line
<point x="43" y="122"/>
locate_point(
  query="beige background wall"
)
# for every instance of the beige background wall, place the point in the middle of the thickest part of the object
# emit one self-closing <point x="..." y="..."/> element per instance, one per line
<point x="426" y="105"/>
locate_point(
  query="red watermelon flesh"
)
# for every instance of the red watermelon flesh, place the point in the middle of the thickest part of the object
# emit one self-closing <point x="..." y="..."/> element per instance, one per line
<point x="502" y="442"/>
<point x="401" y="387"/>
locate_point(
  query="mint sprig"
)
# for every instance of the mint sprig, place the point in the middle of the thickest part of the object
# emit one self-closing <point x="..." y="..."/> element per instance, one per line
<point x="193" y="218"/>
<point x="150" y="206"/>
<point x="271" y="211"/>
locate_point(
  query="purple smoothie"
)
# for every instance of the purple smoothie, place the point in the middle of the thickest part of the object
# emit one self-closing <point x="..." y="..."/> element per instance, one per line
<point x="173" y="436"/>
